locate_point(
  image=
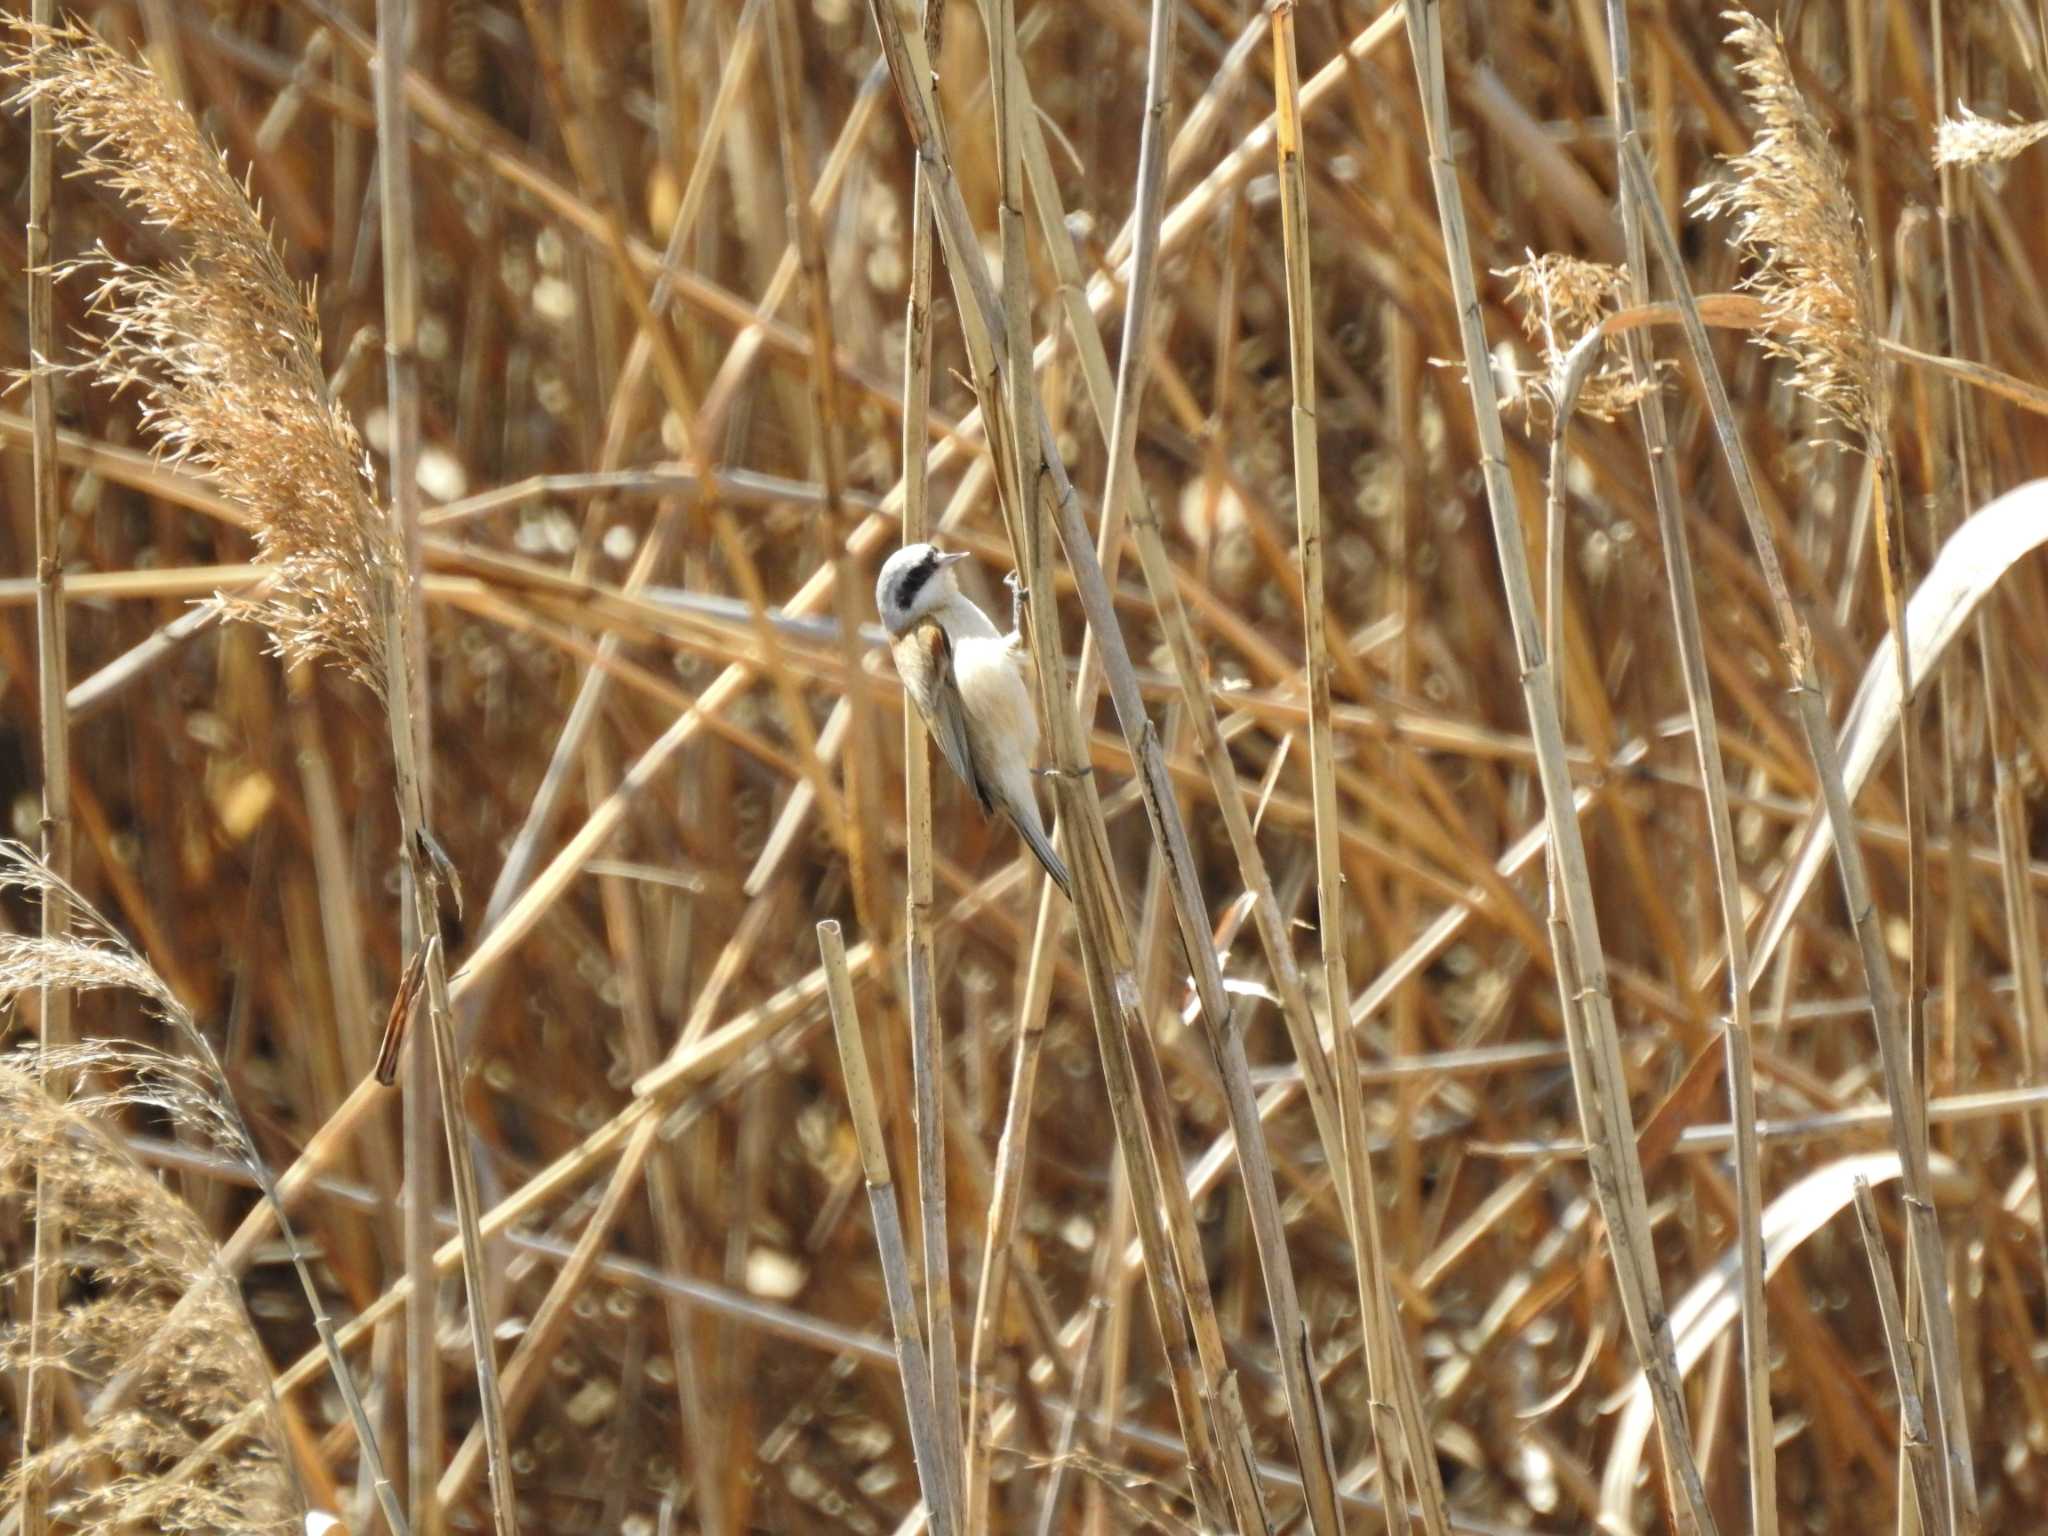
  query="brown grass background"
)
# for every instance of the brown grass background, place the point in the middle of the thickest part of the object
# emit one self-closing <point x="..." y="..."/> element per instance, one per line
<point x="726" y="1363"/>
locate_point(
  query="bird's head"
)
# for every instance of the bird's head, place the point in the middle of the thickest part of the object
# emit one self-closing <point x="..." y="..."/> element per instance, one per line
<point x="915" y="581"/>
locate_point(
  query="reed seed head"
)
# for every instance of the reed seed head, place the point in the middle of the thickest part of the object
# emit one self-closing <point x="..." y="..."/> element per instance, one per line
<point x="1562" y="300"/>
<point x="224" y="349"/>
<point x="1967" y="139"/>
<point x="1795" y="222"/>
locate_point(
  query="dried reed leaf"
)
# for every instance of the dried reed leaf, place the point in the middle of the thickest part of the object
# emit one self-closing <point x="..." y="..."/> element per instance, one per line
<point x="223" y="348"/>
<point x="1967" y="139"/>
<point x="1973" y="561"/>
<point x="1795" y="222"/>
<point x="1705" y="1311"/>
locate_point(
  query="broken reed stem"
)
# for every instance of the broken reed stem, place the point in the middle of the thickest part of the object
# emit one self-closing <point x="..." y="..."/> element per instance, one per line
<point x="925" y="1443"/>
<point x="1758" y="1427"/>
<point x="1901" y="1087"/>
<point x="1603" y="1085"/>
<point x="433" y="1084"/>
<point x="1918" y="1448"/>
<point x="1394" y="1395"/>
<point x="55" y="736"/>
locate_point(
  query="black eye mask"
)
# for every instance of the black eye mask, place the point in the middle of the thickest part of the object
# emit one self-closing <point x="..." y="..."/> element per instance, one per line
<point x="914" y="580"/>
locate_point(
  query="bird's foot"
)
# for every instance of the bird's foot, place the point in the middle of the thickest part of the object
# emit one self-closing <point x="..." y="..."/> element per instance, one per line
<point x="1020" y="599"/>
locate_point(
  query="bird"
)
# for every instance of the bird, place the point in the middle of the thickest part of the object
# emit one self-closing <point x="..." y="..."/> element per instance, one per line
<point x="968" y="681"/>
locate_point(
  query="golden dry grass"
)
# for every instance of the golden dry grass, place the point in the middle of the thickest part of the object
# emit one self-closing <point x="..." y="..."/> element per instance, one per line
<point x="650" y="403"/>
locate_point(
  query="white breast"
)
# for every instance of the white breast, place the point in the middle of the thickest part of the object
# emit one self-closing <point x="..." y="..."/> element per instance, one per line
<point x="998" y="702"/>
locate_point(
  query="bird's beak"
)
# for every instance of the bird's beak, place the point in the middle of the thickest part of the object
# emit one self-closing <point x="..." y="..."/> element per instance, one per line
<point x="954" y="558"/>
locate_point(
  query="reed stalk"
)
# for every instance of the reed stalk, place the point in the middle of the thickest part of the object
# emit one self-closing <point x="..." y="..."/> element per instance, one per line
<point x="1738" y="1036"/>
<point x="1583" y="984"/>
<point x="53" y="736"/>
<point x="925" y="1433"/>
<point x="1390" y="1374"/>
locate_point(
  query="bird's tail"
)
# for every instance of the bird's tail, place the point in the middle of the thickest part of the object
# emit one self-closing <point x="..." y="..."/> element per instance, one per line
<point x="1039" y="843"/>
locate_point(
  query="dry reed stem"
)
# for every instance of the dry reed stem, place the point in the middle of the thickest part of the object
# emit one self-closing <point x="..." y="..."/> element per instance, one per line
<point x="1132" y="509"/>
<point x="1953" y="1471"/>
<point x="428" y="1094"/>
<point x="1007" y="1201"/>
<point x="863" y="771"/>
<point x="1737" y="1040"/>
<point x="966" y="1457"/>
<point x="1105" y="944"/>
<point x="1390" y="1376"/>
<point x="1887" y="1016"/>
<point x="1914" y="1443"/>
<point x="874" y="1158"/>
<point x="1312" y="1444"/>
<point x="863" y="818"/>
<point x="1224" y="1040"/>
<point x="1603" y="1093"/>
<point x="54" y="739"/>
<point x="1796" y="220"/>
<point x="1412" y="691"/>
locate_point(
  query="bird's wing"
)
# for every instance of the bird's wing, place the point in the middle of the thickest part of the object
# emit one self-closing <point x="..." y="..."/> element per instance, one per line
<point x="925" y="658"/>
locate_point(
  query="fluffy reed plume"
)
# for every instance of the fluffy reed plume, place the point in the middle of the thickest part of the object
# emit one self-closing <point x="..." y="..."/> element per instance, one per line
<point x="224" y="348"/>
<point x="1794" y="220"/>
<point x="152" y="1330"/>
<point x="139" y="1284"/>
<point x="1563" y="299"/>
<point x="1967" y="139"/>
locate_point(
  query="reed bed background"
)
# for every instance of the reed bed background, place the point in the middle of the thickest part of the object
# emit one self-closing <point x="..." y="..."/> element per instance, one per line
<point x="1505" y="464"/>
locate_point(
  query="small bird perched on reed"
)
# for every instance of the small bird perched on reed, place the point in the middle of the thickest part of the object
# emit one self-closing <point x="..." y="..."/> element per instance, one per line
<point x="968" y="681"/>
